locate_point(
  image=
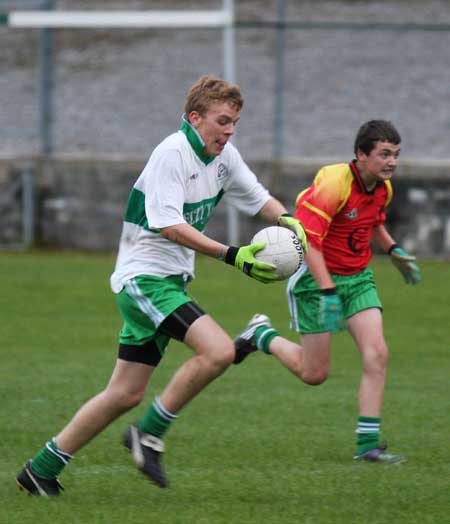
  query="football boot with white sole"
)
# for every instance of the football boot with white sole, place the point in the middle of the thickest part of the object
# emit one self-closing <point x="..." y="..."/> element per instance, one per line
<point x="379" y="454"/>
<point x="147" y="451"/>
<point x="245" y="342"/>
<point x="28" y="480"/>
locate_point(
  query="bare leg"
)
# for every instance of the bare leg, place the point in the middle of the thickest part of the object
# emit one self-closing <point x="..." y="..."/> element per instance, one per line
<point x="310" y="361"/>
<point x="125" y="390"/>
<point x="366" y="328"/>
<point x="214" y="353"/>
<point x="127" y="386"/>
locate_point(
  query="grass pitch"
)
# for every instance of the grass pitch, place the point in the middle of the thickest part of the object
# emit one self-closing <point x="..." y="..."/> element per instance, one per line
<point x="257" y="445"/>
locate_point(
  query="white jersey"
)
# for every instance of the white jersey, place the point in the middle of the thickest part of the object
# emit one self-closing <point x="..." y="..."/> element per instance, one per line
<point x="179" y="185"/>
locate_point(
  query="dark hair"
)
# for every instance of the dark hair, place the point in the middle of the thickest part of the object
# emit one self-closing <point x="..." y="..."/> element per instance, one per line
<point x="209" y="89"/>
<point x="375" y="131"/>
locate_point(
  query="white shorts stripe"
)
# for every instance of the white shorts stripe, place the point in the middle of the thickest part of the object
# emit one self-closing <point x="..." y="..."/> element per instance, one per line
<point x="143" y="302"/>
<point x="292" y="303"/>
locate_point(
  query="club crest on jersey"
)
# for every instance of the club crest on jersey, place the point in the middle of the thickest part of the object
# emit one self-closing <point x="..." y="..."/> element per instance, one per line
<point x="352" y="214"/>
<point x="193" y="176"/>
<point x="222" y="171"/>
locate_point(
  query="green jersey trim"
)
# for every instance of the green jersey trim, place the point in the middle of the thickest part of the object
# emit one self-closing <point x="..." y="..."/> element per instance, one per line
<point x="135" y="212"/>
<point x="196" y="142"/>
<point x="196" y="214"/>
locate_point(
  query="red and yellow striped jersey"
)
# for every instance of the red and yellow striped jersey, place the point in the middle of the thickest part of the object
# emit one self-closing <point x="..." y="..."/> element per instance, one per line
<point x="339" y="214"/>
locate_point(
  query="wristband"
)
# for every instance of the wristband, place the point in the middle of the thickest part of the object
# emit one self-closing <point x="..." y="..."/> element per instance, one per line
<point x="230" y="255"/>
<point x="329" y="291"/>
<point x="389" y="251"/>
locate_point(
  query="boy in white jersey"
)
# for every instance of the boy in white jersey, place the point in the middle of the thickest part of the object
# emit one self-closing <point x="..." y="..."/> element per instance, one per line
<point x="168" y="209"/>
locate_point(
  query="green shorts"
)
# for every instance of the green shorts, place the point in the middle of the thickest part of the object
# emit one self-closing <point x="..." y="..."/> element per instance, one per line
<point x="144" y="303"/>
<point x="357" y="292"/>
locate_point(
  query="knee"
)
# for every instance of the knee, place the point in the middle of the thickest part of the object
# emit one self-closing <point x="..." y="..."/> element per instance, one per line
<point x="315" y="377"/>
<point x="226" y="356"/>
<point x="125" y="399"/>
<point x="223" y="358"/>
<point x="383" y="356"/>
<point x="378" y="359"/>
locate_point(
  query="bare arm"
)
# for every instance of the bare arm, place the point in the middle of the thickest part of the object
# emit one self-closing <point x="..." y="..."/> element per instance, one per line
<point x="272" y="210"/>
<point x="318" y="268"/>
<point x="382" y="238"/>
<point x="242" y="258"/>
<point x="188" y="236"/>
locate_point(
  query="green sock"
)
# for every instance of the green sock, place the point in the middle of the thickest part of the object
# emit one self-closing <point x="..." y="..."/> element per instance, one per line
<point x="157" y="420"/>
<point x="368" y="431"/>
<point x="263" y="337"/>
<point x="50" y="460"/>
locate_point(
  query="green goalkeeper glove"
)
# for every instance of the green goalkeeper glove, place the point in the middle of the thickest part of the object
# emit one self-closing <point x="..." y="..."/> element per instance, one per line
<point x="331" y="311"/>
<point x="244" y="259"/>
<point x="405" y="263"/>
<point x="294" y="225"/>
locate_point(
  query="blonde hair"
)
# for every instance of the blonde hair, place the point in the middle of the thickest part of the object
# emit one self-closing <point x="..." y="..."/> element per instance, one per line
<point x="209" y="89"/>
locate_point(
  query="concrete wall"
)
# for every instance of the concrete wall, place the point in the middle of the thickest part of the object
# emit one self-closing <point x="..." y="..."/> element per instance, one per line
<point x="80" y="201"/>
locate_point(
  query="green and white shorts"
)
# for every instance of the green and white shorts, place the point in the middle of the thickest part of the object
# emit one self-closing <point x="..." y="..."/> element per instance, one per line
<point x="357" y="292"/>
<point x="148" y="305"/>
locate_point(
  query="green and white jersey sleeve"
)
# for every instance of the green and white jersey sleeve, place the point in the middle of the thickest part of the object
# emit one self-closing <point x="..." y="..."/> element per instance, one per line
<point x="179" y="185"/>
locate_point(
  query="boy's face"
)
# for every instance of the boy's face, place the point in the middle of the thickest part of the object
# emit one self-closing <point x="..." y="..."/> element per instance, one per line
<point x="381" y="162"/>
<point x="216" y="126"/>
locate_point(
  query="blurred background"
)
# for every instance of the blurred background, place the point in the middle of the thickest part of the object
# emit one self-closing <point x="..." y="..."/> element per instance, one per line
<point x="82" y="108"/>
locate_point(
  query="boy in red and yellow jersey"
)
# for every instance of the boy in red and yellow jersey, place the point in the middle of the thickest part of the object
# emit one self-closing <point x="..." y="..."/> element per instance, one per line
<point x="342" y="212"/>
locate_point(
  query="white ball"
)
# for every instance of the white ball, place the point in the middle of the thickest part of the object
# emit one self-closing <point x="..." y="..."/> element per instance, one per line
<point x="283" y="249"/>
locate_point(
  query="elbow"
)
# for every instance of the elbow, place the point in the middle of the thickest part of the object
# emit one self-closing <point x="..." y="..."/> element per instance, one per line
<point x="169" y="233"/>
